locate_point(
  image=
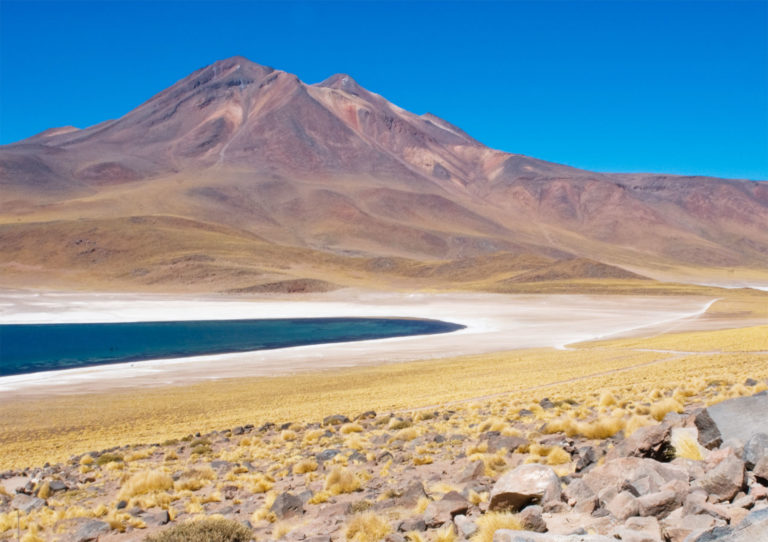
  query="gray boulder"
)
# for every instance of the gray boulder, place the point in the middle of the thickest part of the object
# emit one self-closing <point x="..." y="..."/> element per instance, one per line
<point x="26" y="503"/>
<point x="531" y="519"/>
<point x="623" y="505"/>
<point x="754" y="528"/>
<point x="709" y="434"/>
<point x="640" y="530"/>
<point x="659" y="504"/>
<point x="91" y="530"/>
<point x="287" y="505"/>
<point x="652" y="441"/>
<point x="678" y="527"/>
<point x="443" y="511"/>
<point x="527" y="484"/>
<point x="742" y="417"/>
<point x="726" y="479"/>
<point x="755" y="449"/>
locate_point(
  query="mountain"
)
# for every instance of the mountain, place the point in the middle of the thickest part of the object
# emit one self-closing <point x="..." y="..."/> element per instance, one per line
<point x="240" y="174"/>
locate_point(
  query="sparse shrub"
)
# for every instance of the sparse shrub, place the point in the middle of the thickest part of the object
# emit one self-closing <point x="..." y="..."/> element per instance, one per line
<point x="663" y="407"/>
<point x="45" y="490"/>
<point x="422" y="460"/>
<point x="205" y="530"/>
<point x="288" y="435"/>
<point x="310" y="437"/>
<point x="146" y="482"/>
<point x="137" y="455"/>
<point x="685" y="445"/>
<point x="409" y="433"/>
<point x="320" y="497"/>
<point x="281" y="529"/>
<point x="607" y="399"/>
<point x="341" y="480"/>
<point x="103" y="459"/>
<point x="477" y="498"/>
<point x="635" y="422"/>
<point x="260" y="483"/>
<point x="194" y="479"/>
<point x="353" y="427"/>
<point x="601" y="428"/>
<point x="201" y="449"/>
<point x="360" y="506"/>
<point x="421" y="505"/>
<point x="304" y="466"/>
<point x="398" y="423"/>
<point x="367" y="527"/>
<point x="446" y="534"/>
<point x="490" y="522"/>
<point x="557" y="456"/>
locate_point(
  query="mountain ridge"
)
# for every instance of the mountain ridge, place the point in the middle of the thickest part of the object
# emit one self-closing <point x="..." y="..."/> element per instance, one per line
<point x="335" y="168"/>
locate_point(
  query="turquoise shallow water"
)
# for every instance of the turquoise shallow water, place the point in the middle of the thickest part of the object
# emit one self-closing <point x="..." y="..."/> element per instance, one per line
<point x="30" y="348"/>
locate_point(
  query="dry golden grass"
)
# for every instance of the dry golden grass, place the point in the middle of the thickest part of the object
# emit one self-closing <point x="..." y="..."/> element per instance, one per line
<point x="686" y="445"/>
<point x="446" y="534"/>
<point x="341" y="480"/>
<point x="304" y="466"/>
<point x="146" y="482"/>
<point x="664" y="407"/>
<point x="367" y="527"/>
<point x="490" y="522"/>
<point x="33" y="431"/>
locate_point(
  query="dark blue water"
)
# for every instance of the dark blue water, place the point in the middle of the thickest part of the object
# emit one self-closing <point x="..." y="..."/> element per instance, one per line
<point x="29" y="348"/>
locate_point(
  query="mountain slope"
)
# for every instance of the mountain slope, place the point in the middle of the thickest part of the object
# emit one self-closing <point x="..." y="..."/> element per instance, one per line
<point x="334" y="169"/>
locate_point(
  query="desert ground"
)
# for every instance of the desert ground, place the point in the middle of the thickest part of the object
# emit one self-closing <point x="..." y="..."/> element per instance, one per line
<point x="611" y="365"/>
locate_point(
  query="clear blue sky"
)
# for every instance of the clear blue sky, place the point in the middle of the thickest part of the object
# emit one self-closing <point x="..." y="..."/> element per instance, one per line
<point x="676" y="87"/>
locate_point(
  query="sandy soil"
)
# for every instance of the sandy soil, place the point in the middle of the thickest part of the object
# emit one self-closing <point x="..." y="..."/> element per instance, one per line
<point x="493" y="323"/>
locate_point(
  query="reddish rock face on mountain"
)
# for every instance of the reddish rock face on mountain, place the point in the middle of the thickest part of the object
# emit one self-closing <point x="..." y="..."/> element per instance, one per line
<point x="336" y="168"/>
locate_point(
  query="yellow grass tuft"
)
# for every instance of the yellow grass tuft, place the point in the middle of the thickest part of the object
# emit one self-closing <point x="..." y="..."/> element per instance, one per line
<point x="446" y="534"/>
<point x="281" y="529"/>
<point x="312" y="436"/>
<point x="686" y="445"/>
<point x="490" y="522"/>
<point x="398" y="423"/>
<point x="351" y="428"/>
<point x="304" y="466"/>
<point x="557" y="456"/>
<point x="421" y="505"/>
<point x="145" y="482"/>
<point x="607" y="399"/>
<point x="601" y="428"/>
<point x="341" y="480"/>
<point x="663" y="407"/>
<point x="367" y="527"/>
<point x="45" y="490"/>
<point x="409" y="433"/>
<point x="194" y="479"/>
<point x="477" y="498"/>
<point x="422" y="460"/>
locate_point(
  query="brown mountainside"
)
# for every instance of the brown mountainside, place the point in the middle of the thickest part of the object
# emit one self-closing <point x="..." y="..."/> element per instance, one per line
<point x="311" y="176"/>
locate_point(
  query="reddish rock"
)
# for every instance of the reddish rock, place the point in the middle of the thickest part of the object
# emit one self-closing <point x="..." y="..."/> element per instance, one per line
<point x="527" y="484"/>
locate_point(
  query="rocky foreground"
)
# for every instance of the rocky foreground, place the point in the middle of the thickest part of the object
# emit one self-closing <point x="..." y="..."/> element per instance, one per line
<point x="486" y="472"/>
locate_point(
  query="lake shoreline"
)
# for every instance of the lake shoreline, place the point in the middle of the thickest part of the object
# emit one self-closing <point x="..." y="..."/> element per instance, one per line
<point x="493" y="323"/>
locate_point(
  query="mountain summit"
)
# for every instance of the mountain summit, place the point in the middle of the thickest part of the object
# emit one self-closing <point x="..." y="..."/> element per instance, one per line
<point x="339" y="170"/>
